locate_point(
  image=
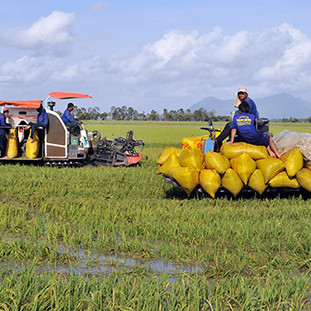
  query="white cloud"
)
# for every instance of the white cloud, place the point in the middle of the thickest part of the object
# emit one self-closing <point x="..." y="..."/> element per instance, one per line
<point x="209" y="63"/>
<point x="51" y="30"/>
<point x="98" y="6"/>
<point x="23" y="70"/>
<point x="294" y="60"/>
<point x="180" y="68"/>
<point x="172" y="45"/>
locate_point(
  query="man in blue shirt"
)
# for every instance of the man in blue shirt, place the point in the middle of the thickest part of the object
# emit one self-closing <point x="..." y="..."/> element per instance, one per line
<point x="4" y="127"/>
<point x="42" y="121"/>
<point x="71" y="123"/>
<point x="242" y="95"/>
<point x="243" y="123"/>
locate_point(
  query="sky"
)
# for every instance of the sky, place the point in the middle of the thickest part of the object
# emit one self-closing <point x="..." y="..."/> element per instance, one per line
<point x="154" y="54"/>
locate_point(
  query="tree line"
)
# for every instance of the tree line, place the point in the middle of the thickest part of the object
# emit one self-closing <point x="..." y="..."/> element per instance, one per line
<point x="125" y="113"/>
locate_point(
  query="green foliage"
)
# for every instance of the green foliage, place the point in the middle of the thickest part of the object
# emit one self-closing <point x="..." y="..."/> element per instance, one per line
<point x="293" y="120"/>
<point x="125" y="113"/>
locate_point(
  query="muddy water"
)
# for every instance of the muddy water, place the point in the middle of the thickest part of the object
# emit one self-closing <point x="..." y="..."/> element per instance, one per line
<point x="86" y="262"/>
<point x="107" y="264"/>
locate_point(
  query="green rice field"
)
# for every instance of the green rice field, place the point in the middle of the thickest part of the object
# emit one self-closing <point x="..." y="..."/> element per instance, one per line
<point x="102" y="238"/>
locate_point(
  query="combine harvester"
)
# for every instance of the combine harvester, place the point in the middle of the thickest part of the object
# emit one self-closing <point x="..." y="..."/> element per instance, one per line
<point x="55" y="147"/>
<point x="240" y="168"/>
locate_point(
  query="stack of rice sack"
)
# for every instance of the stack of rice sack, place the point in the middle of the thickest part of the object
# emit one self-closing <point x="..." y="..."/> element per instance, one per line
<point x="258" y="170"/>
<point x="183" y="165"/>
<point x="193" y="142"/>
<point x="237" y="165"/>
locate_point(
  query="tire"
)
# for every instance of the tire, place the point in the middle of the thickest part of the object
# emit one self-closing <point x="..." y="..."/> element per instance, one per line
<point x="96" y="135"/>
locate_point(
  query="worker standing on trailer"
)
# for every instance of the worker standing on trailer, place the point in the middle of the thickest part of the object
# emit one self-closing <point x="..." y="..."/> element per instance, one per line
<point x="4" y="127"/>
<point x="42" y="121"/>
<point x="71" y="123"/>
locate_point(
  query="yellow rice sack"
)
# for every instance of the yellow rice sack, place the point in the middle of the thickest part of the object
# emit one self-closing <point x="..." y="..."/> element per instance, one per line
<point x="32" y="146"/>
<point x="270" y="167"/>
<point x="293" y="161"/>
<point x="193" y="142"/>
<point x="187" y="177"/>
<point x="232" y="182"/>
<point x="169" y="165"/>
<point x="257" y="182"/>
<point x="216" y="161"/>
<point x="12" y="145"/>
<point x="282" y="180"/>
<point x="164" y="155"/>
<point x="210" y="181"/>
<point x="304" y="178"/>
<point x="234" y="150"/>
<point x="191" y="158"/>
<point x="244" y="165"/>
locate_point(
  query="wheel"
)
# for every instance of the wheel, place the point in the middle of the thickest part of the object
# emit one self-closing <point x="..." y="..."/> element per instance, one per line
<point x="96" y="135"/>
<point x="100" y="143"/>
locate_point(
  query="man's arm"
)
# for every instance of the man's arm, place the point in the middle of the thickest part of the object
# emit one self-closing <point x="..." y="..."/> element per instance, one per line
<point x="252" y="107"/>
<point x="233" y="133"/>
<point x="68" y="117"/>
<point x="3" y="123"/>
<point x="45" y="119"/>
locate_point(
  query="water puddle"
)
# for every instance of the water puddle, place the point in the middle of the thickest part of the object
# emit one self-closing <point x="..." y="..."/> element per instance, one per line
<point x="106" y="264"/>
<point x="91" y="262"/>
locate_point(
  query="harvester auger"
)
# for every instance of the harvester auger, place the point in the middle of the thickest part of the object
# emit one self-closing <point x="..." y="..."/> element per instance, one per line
<point x="118" y="151"/>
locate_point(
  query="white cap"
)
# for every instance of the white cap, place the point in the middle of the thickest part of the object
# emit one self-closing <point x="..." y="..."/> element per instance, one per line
<point x="237" y="101"/>
<point x="242" y="89"/>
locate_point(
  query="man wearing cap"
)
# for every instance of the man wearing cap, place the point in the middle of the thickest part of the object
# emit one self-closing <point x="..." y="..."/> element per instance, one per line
<point x="42" y="121"/>
<point x="4" y="127"/>
<point x="242" y="95"/>
<point x="71" y="123"/>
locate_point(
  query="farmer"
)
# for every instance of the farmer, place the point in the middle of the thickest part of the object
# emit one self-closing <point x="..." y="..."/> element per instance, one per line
<point x="71" y="123"/>
<point x="42" y="121"/>
<point x="243" y="123"/>
<point x="242" y="95"/>
<point x="4" y="127"/>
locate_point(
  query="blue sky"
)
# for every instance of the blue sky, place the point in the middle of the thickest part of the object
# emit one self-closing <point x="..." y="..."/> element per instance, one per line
<point x="154" y="54"/>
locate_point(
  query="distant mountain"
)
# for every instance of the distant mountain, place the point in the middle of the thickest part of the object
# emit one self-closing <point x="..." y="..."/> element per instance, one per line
<point x="278" y="106"/>
<point x="283" y="106"/>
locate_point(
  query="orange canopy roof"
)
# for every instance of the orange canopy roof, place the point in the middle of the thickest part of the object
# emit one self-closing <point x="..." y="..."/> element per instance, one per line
<point x="65" y="95"/>
<point x="22" y="103"/>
